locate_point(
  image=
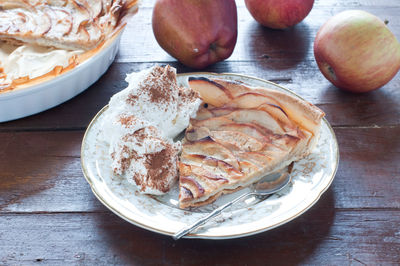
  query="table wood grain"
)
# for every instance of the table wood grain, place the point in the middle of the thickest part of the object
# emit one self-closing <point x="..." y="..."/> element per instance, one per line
<point x="49" y="216"/>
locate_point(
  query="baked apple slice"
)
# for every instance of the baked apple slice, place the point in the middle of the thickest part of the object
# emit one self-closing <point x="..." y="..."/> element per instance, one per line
<point x="213" y="165"/>
<point x="240" y="135"/>
<point x="65" y="24"/>
<point x="211" y="92"/>
<point x="235" y="140"/>
<point x="256" y="117"/>
<point x="248" y="129"/>
<point x="212" y="123"/>
<point x="256" y="158"/>
<point x="210" y="148"/>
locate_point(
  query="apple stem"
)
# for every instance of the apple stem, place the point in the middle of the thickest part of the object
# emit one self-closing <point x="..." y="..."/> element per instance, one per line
<point x="264" y="56"/>
<point x="213" y="46"/>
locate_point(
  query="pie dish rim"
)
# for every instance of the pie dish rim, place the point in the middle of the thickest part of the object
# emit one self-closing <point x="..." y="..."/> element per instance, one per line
<point x="11" y="102"/>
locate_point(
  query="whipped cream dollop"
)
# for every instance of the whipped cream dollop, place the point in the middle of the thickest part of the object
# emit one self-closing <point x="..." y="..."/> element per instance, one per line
<point x="142" y="121"/>
<point x="29" y="60"/>
<point x="154" y="96"/>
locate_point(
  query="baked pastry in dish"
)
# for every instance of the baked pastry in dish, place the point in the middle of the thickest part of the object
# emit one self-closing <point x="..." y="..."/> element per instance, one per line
<point x="239" y="135"/>
<point x="55" y="34"/>
<point x="67" y="24"/>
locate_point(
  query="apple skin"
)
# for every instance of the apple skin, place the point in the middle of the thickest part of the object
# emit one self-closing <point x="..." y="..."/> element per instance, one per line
<point x="197" y="33"/>
<point x="356" y="51"/>
<point x="279" y="14"/>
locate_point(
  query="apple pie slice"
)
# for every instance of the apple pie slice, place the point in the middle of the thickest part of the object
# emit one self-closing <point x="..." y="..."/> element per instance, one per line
<point x="239" y="135"/>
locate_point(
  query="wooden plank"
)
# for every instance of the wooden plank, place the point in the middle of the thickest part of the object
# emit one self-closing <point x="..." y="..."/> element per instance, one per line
<point x="355" y="3"/>
<point x="40" y="173"/>
<point x="319" y="237"/>
<point x="317" y="3"/>
<point x="49" y="215"/>
<point x="253" y="40"/>
<point x="369" y="167"/>
<point x="378" y="108"/>
<point x="284" y="57"/>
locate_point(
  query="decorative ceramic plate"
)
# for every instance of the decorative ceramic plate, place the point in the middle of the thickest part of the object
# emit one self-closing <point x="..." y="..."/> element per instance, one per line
<point x="311" y="177"/>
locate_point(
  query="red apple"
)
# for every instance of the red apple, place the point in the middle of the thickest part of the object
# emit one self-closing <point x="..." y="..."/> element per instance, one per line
<point x="279" y="14"/>
<point x="197" y="33"/>
<point x="356" y="51"/>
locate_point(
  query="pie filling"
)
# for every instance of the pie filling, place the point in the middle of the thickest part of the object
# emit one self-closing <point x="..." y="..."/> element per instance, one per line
<point x="20" y="63"/>
<point x="239" y="135"/>
<point x="41" y="39"/>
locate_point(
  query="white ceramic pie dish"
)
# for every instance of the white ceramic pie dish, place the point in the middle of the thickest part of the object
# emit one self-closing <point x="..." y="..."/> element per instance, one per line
<point x="40" y="97"/>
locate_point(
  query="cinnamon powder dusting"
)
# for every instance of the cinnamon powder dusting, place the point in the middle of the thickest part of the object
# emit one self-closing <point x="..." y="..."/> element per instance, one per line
<point x="158" y="166"/>
<point x="125" y="161"/>
<point x="156" y="163"/>
<point x="159" y="84"/>
<point x="151" y="106"/>
<point x="127" y="121"/>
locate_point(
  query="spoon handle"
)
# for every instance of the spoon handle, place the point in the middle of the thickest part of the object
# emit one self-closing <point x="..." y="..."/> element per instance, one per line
<point x="203" y="220"/>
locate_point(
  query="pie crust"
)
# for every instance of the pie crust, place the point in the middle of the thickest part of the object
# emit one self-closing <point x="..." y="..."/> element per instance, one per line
<point x="87" y="26"/>
<point x="239" y="135"/>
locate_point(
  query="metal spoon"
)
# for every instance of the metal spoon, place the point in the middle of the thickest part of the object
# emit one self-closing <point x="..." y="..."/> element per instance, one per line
<point x="268" y="185"/>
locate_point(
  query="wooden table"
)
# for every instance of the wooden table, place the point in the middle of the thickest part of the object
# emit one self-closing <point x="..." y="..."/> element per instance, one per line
<point x="48" y="214"/>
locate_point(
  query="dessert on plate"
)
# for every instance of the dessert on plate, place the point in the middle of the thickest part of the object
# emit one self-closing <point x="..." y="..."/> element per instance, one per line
<point x="234" y="134"/>
<point x="40" y="39"/>
<point x="141" y="124"/>
<point x="239" y="135"/>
